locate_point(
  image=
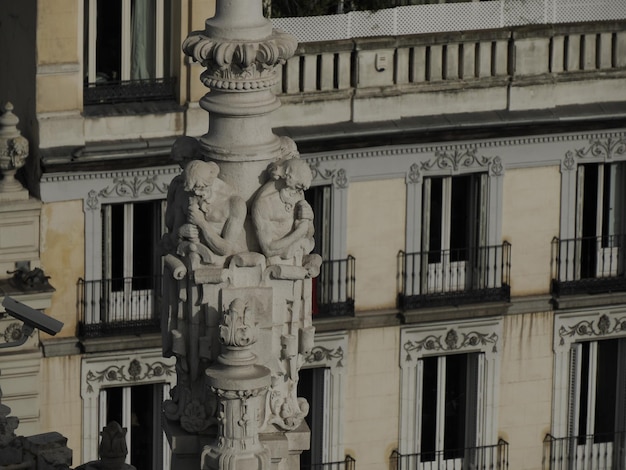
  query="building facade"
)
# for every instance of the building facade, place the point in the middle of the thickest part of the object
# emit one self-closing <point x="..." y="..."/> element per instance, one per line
<point x="469" y="175"/>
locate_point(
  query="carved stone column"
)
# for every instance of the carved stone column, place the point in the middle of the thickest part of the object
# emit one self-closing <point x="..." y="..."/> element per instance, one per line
<point x="239" y="233"/>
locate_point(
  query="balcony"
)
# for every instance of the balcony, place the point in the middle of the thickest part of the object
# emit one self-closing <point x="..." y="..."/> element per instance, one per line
<point x="110" y="92"/>
<point x="122" y="306"/>
<point x="348" y="464"/>
<point x="333" y="289"/>
<point x="592" y="452"/>
<point x="454" y="277"/>
<point x="495" y="457"/>
<point x="588" y="265"/>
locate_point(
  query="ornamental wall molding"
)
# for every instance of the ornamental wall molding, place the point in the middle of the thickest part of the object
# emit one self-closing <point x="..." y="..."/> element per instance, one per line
<point x="127" y="188"/>
<point x="601" y="149"/>
<point x="321" y="356"/>
<point x="336" y="176"/>
<point x="418" y="149"/>
<point x="582" y="326"/>
<point x="446" y="338"/>
<point x="112" y="371"/>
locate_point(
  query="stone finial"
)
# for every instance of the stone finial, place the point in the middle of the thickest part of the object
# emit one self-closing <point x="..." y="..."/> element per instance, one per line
<point x="13" y="153"/>
<point x="8" y="424"/>
<point x="113" y="447"/>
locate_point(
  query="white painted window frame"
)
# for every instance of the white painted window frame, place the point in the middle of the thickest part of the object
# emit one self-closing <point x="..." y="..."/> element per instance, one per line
<point x="570" y="329"/>
<point x="330" y="350"/>
<point x="420" y="341"/>
<point x="112" y="370"/>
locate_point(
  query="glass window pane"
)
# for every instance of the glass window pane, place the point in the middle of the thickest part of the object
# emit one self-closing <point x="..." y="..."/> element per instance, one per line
<point x="455" y="405"/>
<point x="429" y="409"/>
<point x="109" y="40"/>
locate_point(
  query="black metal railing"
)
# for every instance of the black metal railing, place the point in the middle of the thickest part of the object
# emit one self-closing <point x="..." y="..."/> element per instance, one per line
<point x="454" y="277"/>
<point x="494" y="457"/>
<point x="126" y="91"/>
<point x="334" y="288"/>
<point x="348" y="464"/>
<point x="588" y="265"/>
<point x="594" y="452"/>
<point x="118" y="306"/>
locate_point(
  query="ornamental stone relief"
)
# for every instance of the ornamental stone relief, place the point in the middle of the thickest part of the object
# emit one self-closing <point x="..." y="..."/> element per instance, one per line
<point x="338" y="177"/>
<point x="460" y="158"/>
<point x="452" y="340"/>
<point x="601" y="149"/>
<point x="132" y="372"/>
<point x="130" y="188"/>
<point x="322" y="355"/>
<point x="602" y="326"/>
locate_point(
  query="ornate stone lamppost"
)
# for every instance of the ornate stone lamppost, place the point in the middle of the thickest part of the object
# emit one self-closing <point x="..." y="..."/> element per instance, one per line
<point x="238" y="259"/>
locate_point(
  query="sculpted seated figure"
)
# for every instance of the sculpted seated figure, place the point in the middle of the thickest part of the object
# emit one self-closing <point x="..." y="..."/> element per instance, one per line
<point x="282" y="218"/>
<point x="215" y="214"/>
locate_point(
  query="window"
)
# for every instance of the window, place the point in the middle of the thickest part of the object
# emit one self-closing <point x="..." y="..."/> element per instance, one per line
<point x="333" y="289"/>
<point x="453" y="227"/>
<point x="589" y="412"/>
<point x="597" y="421"/>
<point x="131" y="263"/>
<point x="447" y="427"/>
<point x="138" y="409"/>
<point x="600" y="219"/>
<point x="126" y="41"/>
<point x="448" y="395"/>
<point x="312" y="386"/>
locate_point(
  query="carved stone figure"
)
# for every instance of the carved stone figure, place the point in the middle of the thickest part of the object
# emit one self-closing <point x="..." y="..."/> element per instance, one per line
<point x="113" y="447"/>
<point x="282" y="218"/>
<point x="184" y="150"/>
<point x="215" y="213"/>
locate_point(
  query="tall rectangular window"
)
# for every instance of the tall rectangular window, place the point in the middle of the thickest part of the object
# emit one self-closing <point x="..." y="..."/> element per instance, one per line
<point x="126" y="40"/>
<point x="131" y="263"/>
<point x="312" y="386"/>
<point x="453" y="228"/>
<point x="448" y="425"/>
<point x="600" y="218"/>
<point x="138" y="409"/>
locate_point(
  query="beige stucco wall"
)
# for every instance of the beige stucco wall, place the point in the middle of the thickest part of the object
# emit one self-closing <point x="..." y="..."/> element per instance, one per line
<point x="376" y="229"/>
<point x="530" y="220"/>
<point x="62" y="258"/>
<point x="57" y="31"/>
<point x="371" y="425"/>
<point x="61" y="405"/>
<point x="526" y="387"/>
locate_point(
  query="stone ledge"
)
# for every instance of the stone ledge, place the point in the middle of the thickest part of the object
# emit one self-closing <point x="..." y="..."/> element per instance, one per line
<point x="55" y="347"/>
<point x="121" y="343"/>
<point x="589" y="300"/>
<point x="438" y="314"/>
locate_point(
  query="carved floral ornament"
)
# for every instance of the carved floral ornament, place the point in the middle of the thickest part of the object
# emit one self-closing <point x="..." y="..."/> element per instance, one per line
<point x="602" y="149"/>
<point x="131" y="188"/>
<point x="601" y="326"/>
<point x="338" y="177"/>
<point x="240" y="65"/>
<point x="454" y="161"/>
<point x="452" y="340"/>
<point x="134" y="371"/>
<point x="320" y="354"/>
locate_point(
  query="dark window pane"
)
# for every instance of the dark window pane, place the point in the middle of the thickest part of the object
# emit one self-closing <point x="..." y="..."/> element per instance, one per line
<point x="117" y="246"/>
<point x="142" y="427"/>
<point x="455" y="405"/>
<point x="584" y="393"/>
<point x="429" y="409"/>
<point x="434" y="230"/>
<point x="460" y="214"/>
<point x="311" y="387"/>
<point x="606" y="387"/>
<point x="109" y="40"/>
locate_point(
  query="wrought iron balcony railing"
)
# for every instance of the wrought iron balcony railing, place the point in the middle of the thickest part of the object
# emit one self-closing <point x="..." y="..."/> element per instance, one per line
<point x="348" y="464"/>
<point x="494" y="457"/>
<point x="334" y="288"/>
<point x="590" y="452"/>
<point x="109" y="92"/>
<point x="454" y="277"/>
<point x="588" y="265"/>
<point x="118" y="306"/>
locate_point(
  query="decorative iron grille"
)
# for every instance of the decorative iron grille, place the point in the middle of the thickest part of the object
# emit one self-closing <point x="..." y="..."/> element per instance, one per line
<point x="588" y="265"/>
<point x="118" y="306"/>
<point x="348" y="464"/>
<point x="495" y="457"/>
<point x="594" y="451"/>
<point x="334" y="288"/>
<point x="454" y="277"/>
<point x="129" y="91"/>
